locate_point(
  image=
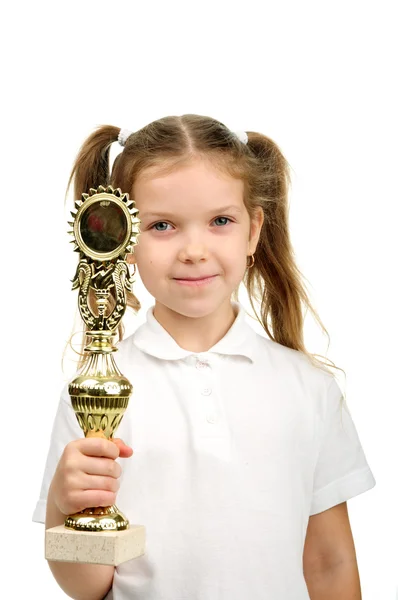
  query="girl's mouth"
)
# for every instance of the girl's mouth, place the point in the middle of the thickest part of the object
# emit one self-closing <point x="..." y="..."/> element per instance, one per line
<point x="196" y="282"/>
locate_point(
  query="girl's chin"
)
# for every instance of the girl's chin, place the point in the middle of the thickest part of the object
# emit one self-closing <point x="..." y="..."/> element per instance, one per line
<point x="197" y="308"/>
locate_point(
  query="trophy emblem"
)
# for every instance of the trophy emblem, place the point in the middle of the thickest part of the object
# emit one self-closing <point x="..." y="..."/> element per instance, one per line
<point x="105" y="228"/>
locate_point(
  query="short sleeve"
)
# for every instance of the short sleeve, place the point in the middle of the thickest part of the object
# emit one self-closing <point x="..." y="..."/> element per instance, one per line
<point x="341" y="471"/>
<point x="65" y="429"/>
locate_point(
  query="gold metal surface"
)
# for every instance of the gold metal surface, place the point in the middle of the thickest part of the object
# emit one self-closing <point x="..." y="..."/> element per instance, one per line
<point x="107" y="518"/>
<point x="105" y="228"/>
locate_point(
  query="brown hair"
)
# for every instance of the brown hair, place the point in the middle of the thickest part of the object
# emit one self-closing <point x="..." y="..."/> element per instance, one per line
<point x="274" y="282"/>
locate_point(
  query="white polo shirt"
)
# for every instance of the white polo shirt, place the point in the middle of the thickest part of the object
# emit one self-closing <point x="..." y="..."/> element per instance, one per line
<point x="234" y="449"/>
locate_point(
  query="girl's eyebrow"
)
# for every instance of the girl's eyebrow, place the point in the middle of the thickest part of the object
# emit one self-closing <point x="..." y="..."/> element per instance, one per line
<point x="150" y="215"/>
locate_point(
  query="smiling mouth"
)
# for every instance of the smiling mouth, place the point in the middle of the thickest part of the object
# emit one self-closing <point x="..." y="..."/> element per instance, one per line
<point x="196" y="282"/>
<point x="193" y="278"/>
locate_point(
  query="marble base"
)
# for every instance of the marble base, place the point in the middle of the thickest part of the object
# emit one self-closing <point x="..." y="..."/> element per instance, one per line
<point x="102" y="548"/>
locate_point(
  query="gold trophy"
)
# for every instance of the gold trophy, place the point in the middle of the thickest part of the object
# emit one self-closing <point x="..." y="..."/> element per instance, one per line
<point x="105" y="228"/>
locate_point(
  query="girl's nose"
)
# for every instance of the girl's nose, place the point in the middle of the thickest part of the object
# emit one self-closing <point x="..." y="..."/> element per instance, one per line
<point x="194" y="250"/>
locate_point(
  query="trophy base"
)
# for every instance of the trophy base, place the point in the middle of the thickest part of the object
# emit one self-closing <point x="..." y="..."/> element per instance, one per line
<point x="101" y="548"/>
<point x="101" y="518"/>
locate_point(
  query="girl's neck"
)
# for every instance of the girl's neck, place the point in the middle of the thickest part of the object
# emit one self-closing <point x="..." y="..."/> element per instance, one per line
<point x="197" y="334"/>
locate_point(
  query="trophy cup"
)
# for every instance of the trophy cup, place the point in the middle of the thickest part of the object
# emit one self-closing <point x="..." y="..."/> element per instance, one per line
<point x="105" y="228"/>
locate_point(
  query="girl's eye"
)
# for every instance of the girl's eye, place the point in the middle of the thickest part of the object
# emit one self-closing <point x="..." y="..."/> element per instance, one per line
<point x="225" y="219"/>
<point x="163" y="224"/>
<point x="160" y="223"/>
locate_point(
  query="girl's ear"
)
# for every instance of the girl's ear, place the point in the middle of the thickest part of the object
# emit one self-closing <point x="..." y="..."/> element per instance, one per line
<point x="255" y="229"/>
<point x="130" y="259"/>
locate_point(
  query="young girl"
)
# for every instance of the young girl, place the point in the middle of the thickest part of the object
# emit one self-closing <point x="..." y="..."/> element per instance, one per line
<point x="244" y="455"/>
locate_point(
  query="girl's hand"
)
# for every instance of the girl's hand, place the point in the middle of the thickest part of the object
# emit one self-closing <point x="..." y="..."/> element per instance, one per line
<point x="87" y="474"/>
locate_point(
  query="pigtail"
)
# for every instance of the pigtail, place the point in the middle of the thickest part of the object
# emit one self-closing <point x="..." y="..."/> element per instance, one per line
<point x="91" y="167"/>
<point x="275" y="281"/>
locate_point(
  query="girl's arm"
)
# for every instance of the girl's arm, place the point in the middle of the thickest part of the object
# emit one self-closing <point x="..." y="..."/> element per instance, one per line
<point x="340" y="582"/>
<point x="329" y="560"/>
<point x="77" y="580"/>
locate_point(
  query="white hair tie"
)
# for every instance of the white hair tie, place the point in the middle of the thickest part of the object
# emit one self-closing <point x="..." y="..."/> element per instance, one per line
<point x="242" y="136"/>
<point x="123" y="135"/>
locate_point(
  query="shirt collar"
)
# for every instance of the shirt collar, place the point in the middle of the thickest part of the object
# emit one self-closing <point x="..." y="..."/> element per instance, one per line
<point x="240" y="339"/>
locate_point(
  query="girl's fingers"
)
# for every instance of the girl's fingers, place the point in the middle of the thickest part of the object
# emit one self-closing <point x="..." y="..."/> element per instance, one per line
<point x="98" y="447"/>
<point x="125" y="451"/>
<point x="101" y="466"/>
<point x="99" y="482"/>
<point x="87" y="498"/>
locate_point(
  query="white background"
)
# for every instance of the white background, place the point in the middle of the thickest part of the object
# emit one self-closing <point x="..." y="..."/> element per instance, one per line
<point x="317" y="77"/>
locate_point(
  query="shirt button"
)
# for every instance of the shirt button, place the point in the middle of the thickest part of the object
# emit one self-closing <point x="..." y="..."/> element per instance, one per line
<point x="202" y="365"/>
<point x="211" y="418"/>
<point x="206" y="392"/>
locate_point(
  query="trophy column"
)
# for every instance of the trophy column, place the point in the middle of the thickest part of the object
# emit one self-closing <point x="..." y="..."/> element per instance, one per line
<point x="105" y="228"/>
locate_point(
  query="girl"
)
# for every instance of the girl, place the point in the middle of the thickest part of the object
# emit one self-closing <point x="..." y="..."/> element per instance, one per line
<point x="244" y="455"/>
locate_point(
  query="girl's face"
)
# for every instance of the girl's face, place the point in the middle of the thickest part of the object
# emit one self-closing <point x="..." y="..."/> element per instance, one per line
<point x="194" y="225"/>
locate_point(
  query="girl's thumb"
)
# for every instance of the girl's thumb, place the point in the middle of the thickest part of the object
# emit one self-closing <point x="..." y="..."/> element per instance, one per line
<point x="124" y="450"/>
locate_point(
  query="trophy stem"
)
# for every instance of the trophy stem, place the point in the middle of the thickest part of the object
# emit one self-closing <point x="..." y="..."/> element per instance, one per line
<point x="99" y="396"/>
